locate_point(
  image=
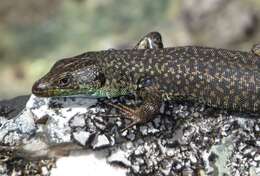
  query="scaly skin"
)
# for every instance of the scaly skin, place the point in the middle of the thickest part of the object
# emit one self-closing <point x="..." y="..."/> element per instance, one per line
<point x="217" y="77"/>
<point x="152" y="40"/>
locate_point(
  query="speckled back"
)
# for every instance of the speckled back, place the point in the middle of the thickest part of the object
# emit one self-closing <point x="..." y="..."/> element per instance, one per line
<point x="218" y="77"/>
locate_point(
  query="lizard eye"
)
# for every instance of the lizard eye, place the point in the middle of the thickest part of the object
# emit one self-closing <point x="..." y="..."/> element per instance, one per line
<point x="64" y="81"/>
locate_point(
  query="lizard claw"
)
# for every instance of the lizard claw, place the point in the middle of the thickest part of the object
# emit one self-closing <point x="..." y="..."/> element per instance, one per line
<point x="122" y="108"/>
<point x="131" y="114"/>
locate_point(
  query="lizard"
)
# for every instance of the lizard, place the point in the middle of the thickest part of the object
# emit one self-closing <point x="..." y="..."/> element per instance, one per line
<point x="228" y="79"/>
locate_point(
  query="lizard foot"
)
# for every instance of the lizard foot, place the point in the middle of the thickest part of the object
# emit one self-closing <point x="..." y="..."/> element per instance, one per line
<point x="133" y="114"/>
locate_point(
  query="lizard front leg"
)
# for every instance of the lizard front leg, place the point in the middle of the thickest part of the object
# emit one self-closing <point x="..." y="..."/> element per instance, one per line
<point x="147" y="89"/>
<point x="149" y="92"/>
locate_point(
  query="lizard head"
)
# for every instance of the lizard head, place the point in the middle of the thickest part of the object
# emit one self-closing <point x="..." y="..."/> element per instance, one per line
<point x="72" y="76"/>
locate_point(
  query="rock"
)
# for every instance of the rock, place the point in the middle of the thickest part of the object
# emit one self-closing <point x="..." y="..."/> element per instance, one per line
<point x="11" y="108"/>
<point x="181" y="138"/>
<point x="119" y="157"/>
<point x="100" y="141"/>
<point x="82" y="137"/>
<point x="257" y="157"/>
<point x="78" y="121"/>
<point x="83" y="163"/>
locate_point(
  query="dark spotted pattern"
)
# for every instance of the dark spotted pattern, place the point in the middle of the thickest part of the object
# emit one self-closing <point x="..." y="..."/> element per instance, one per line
<point x="217" y="77"/>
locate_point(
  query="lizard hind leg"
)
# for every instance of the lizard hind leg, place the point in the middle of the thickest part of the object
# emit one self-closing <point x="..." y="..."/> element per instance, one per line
<point x="256" y="49"/>
<point x="152" y="40"/>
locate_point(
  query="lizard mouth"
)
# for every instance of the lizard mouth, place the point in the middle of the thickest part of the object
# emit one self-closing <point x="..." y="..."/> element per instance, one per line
<point x="43" y="90"/>
<point x="52" y="92"/>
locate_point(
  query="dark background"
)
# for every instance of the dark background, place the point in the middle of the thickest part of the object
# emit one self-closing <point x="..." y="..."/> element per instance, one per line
<point x="35" y="34"/>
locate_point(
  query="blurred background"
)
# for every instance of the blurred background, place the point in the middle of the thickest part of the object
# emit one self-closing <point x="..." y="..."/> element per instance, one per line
<point x="35" y="34"/>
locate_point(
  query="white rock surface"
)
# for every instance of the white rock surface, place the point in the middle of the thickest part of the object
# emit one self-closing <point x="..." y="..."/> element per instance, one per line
<point x="85" y="165"/>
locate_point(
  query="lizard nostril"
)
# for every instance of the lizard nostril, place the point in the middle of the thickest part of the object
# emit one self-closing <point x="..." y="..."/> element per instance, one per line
<point x="38" y="88"/>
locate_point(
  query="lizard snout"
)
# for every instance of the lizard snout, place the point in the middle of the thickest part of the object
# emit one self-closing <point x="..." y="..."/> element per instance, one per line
<point x="40" y="89"/>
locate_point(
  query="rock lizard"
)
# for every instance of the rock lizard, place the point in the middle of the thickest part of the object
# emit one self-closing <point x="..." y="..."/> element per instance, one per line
<point x="221" y="78"/>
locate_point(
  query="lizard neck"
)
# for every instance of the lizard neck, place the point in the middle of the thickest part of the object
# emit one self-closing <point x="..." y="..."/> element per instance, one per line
<point x="121" y="78"/>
